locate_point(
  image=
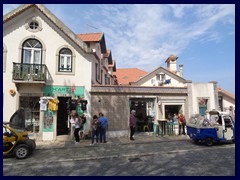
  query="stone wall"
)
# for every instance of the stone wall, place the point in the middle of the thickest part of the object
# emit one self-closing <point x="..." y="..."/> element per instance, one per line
<point x="115" y="108"/>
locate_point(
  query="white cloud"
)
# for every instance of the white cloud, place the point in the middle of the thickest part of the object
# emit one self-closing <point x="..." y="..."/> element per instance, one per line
<point x="145" y="34"/>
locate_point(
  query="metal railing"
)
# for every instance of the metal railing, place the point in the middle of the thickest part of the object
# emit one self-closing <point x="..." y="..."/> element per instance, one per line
<point x="29" y="72"/>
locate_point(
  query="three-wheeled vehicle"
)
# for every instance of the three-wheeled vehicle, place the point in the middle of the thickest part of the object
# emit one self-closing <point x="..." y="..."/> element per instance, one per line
<point x="15" y="137"/>
<point x="215" y="127"/>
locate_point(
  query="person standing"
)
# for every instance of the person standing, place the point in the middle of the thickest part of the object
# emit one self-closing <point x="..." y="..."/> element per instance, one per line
<point x="76" y="121"/>
<point x="181" y="123"/>
<point x="132" y="124"/>
<point x="95" y="125"/>
<point x="104" y="127"/>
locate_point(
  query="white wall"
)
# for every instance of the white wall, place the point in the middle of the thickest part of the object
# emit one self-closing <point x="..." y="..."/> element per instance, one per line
<point x="14" y="33"/>
<point x="205" y="90"/>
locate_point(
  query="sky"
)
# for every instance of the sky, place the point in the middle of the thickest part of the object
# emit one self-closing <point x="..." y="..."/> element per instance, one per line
<point x="144" y="35"/>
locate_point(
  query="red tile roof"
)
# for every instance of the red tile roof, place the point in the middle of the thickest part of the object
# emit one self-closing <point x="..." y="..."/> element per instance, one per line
<point x="226" y="92"/>
<point x="90" y="37"/>
<point x="127" y="75"/>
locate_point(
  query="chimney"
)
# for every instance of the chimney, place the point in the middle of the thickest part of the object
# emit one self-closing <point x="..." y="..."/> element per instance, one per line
<point x="181" y="70"/>
<point x="171" y="63"/>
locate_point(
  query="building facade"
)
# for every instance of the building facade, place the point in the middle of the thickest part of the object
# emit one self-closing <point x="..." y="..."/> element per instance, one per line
<point x="50" y="71"/>
<point x="46" y="65"/>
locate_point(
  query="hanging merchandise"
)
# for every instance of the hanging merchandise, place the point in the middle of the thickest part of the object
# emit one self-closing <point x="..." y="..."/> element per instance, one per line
<point x="78" y="109"/>
<point x="83" y="105"/>
<point x="44" y="102"/>
<point x="73" y="104"/>
<point x="53" y="105"/>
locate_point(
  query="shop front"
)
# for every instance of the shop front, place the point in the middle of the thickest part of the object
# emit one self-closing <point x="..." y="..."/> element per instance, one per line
<point x="59" y="102"/>
<point x="145" y="112"/>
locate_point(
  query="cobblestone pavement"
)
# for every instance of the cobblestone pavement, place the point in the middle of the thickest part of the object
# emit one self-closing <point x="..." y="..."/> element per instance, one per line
<point x="147" y="155"/>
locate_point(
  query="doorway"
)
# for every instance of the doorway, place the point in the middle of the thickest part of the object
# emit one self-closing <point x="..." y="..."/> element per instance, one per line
<point x="145" y="113"/>
<point x="62" y="116"/>
<point x="170" y="110"/>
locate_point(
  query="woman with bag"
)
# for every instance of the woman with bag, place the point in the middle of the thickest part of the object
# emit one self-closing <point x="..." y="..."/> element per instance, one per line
<point x="76" y="122"/>
<point x="95" y="125"/>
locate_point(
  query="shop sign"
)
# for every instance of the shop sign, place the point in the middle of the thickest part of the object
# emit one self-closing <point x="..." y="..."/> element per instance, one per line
<point x="63" y="90"/>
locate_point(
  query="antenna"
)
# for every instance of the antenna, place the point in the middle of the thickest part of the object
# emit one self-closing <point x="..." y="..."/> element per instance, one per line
<point x="90" y="26"/>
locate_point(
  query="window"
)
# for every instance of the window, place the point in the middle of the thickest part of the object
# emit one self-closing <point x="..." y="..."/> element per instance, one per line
<point x="33" y="25"/>
<point x="106" y="79"/>
<point x="32" y="52"/>
<point x="202" y="104"/>
<point x="160" y="79"/>
<point x="102" y="73"/>
<point x="65" y="60"/>
<point x="97" y="72"/>
<point x="220" y="103"/>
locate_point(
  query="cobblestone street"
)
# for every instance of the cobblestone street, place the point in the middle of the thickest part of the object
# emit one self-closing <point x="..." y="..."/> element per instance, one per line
<point x="148" y="155"/>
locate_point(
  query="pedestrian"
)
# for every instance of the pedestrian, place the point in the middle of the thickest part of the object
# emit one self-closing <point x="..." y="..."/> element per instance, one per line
<point x="104" y="127"/>
<point x="95" y="125"/>
<point x="181" y="123"/>
<point x="132" y="124"/>
<point x="76" y="122"/>
<point x="175" y="117"/>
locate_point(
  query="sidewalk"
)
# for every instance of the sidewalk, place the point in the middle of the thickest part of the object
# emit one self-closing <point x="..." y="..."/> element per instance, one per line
<point x="139" y="138"/>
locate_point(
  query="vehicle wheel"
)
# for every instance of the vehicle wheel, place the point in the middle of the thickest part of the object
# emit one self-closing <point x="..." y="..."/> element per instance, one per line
<point x="21" y="151"/>
<point x="209" y="141"/>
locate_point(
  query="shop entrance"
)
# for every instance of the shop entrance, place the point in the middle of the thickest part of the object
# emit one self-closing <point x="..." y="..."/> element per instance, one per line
<point x="144" y="108"/>
<point x="62" y="116"/>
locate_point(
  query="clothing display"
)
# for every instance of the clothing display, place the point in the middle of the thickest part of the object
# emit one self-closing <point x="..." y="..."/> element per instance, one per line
<point x="73" y="104"/>
<point x="43" y="104"/>
<point x="83" y="105"/>
<point x="53" y="105"/>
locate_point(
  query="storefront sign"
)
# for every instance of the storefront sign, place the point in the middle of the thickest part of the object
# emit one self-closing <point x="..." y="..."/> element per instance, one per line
<point x="63" y="90"/>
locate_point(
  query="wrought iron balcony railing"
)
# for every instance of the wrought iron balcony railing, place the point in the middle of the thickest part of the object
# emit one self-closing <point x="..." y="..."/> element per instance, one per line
<point x="29" y="72"/>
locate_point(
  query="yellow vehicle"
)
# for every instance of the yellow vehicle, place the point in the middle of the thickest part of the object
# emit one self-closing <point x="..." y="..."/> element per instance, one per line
<point x="15" y="138"/>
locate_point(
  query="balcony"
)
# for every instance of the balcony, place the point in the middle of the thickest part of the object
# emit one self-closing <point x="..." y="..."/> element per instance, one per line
<point x="33" y="73"/>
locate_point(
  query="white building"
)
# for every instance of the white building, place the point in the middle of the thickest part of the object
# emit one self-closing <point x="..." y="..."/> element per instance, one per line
<point x="42" y="58"/>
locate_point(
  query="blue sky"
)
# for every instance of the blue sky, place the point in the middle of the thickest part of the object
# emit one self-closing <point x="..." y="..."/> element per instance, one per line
<point x="144" y="36"/>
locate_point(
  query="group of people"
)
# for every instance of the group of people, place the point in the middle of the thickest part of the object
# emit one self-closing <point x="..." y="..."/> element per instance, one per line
<point x="99" y="126"/>
<point x="180" y="118"/>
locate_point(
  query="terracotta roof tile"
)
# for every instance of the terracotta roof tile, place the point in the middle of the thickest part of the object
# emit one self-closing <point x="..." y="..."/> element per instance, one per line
<point x="226" y="92"/>
<point x="127" y="75"/>
<point x="90" y="37"/>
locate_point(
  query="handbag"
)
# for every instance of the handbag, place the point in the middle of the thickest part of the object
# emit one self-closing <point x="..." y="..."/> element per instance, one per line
<point x="184" y="122"/>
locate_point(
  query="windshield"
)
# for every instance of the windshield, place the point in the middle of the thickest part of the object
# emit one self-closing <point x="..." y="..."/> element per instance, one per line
<point x="17" y="120"/>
